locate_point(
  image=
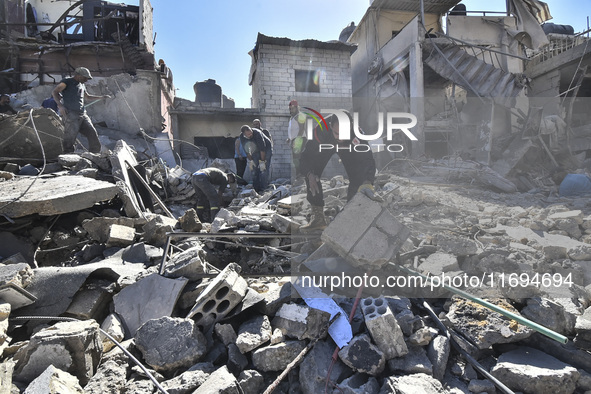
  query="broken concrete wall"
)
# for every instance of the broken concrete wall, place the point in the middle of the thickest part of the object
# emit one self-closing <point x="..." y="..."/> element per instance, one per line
<point x="135" y="101"/>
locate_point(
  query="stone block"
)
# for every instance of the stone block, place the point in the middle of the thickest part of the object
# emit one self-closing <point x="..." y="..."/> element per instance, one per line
<point x="415" y="361"/>
<point x="186" y="382"/>
<point x="532" y="371"/>
<point x="220" y="382"/>
<point x="483" y="326"/>
<point x="219" y="297"/>
<point x="276" y="357"/>
<point x="237" y="361"/>
<point x="301" y="321"/>
<point x="358" y="383"/>
<point x="482" y="386"/>
<point x="157" y="227"/>
<point x="284" y="224"/>
<point x="170" y="343"/>
<point x="99" y="228"/>
<point x="190" y="221"/>
<point x="411" y="384"/>
<point x="112" y="325"/>
<point x="91" y="301"/>
<point x="554" y="252"/>
<point x="188" y="264"/>
<point x="226" y="333"/>
<point x="73" y="347"/>
<point x="383" y="327"/>
<point x="363" y="356"/>
<point x="54" y="380"/>
<point x="315" y="368"/>
<point x="253" y="333"/>
<point x="438" y="353"/>
<point x="109" y="378"/>
<point x="251" y="381"/>
<point x="365" y="234"/>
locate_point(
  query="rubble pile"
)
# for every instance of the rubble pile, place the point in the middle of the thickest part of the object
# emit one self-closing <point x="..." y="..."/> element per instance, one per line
<point x="94" y="262"/>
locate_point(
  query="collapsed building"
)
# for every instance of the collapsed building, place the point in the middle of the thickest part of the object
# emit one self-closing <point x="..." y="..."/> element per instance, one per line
<point x="110" y="283"/>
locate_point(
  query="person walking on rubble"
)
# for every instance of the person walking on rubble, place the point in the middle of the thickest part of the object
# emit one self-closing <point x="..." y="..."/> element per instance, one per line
<point x="259" y="152"/>
<point x="69" y="95"/>
<point x="360" y="167"/>
<point x="209" y="200"/>
<point x="296" y="134"/>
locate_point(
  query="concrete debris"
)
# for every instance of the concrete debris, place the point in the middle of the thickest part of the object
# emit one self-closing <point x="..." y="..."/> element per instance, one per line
<point x="23" y="196"/>
<point x="170" y="343"/>
<point x="219" y="297"/>
<point x="54" y="381"/>
<point x="532" y="371"/>
<point x="383" y="327"/>
<point x="276" y="357"/>
<point x="483" y="326"/>
<point x="253" y="333"/>
<point x="363" y="356"/>
<point x="365" y="234"/>
<point x="73" y="347"/>
<point x="220" y="314"/>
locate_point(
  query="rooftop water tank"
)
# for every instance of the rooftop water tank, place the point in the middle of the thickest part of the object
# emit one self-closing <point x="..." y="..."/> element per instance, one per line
<point x="346" y="32"/>
<point x="208" y="93"/>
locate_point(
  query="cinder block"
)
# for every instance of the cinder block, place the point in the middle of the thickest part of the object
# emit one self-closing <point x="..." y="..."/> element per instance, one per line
<point x="219" y="297"/>
<point x="383" y="327"/>
<point x="365" y="234"/>
<point x="120" y="235"/>
<point x="300" y="321"/>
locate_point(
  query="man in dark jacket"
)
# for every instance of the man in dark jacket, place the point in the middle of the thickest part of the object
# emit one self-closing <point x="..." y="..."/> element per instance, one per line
<point x="258" y="152"/>
<point x="209" y="200"/>
<point x="359" y="165"/>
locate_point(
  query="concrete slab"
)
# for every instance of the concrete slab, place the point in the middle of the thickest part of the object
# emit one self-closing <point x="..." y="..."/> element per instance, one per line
<point x="365" y="233"/>
<point x="49" y="196"/>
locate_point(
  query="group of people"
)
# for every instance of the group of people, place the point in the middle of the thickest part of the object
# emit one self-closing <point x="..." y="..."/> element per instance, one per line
<point x="253" y="150"/>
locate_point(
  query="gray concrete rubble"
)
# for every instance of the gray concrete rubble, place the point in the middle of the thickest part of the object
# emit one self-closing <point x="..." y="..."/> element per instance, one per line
<point x="73" y="347"/>
<point x="365" y="233"/>
<point x="211" y="307"/>
<point x="56" y="381"/>
<point x="532" y="371"/>
<point x="169" y="343"/>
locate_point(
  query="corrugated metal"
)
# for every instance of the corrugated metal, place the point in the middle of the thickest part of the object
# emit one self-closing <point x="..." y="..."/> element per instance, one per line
<point x="431" y="6"/>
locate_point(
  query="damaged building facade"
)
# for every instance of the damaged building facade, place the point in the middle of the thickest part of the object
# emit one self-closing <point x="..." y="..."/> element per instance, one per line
<point x="41" y="43"/>
<point x="478" y="96"/>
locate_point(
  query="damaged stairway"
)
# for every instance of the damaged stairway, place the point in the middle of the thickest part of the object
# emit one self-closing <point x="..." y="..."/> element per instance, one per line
<point x="483" y="78"/>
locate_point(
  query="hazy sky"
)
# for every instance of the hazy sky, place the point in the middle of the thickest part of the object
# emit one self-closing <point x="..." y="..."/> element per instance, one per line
<point x="200" y="40"/>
